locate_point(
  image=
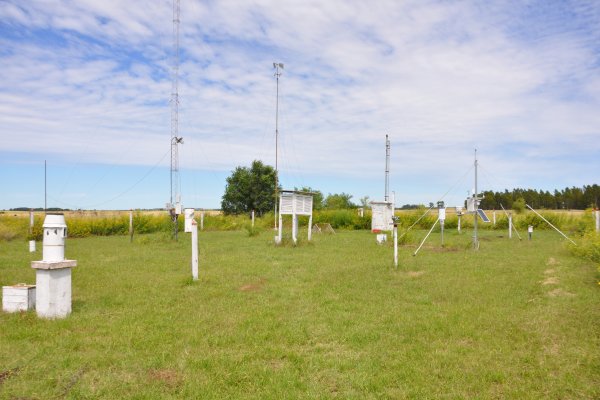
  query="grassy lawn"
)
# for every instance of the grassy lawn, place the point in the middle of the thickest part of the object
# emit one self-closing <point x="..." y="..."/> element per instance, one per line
<point x="326" y="319"/>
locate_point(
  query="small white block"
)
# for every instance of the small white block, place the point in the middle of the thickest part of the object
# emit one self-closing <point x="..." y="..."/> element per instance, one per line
<point x="18" y="298"/>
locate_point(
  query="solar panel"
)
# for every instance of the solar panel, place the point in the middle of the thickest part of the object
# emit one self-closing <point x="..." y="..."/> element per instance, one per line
<point x="482" y="215"/>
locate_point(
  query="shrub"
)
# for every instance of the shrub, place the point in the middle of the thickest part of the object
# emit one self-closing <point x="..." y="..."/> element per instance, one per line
<point x="588" y="247"/>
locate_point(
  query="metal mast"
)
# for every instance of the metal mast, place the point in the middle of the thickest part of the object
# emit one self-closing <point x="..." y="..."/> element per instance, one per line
<point x="387" y="169"/>
<point x="476" y="202"/>
<point x="277" y="67"/>
<point x="175" y="199"/>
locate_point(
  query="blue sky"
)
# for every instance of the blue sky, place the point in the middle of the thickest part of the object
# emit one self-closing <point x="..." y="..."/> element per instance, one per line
<point x="86" y="86"/>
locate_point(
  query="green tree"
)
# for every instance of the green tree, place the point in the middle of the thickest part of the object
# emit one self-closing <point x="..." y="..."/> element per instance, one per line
<point x="250" y="189"/>
<point x="519" y="205"/>
<point x="339" y="201"/>
<point x="364" y="202"/>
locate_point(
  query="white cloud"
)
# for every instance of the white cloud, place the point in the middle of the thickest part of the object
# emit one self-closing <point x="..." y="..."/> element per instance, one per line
<point x="441" y="78"/>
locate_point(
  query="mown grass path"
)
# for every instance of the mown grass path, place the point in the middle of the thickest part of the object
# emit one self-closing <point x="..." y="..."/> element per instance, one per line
<point x="326" y="319"/>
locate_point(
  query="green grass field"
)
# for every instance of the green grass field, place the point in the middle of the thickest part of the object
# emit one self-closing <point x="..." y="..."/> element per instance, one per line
<point x="328" y="319"/>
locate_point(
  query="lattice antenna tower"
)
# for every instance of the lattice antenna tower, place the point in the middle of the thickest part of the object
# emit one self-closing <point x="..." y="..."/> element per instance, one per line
<point x="475" y="239"/>
<point x="278" y="67"/>
<point x="175" y="138"/>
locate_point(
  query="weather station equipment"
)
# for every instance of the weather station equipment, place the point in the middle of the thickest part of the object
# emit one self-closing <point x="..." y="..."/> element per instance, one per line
<point x="459" y="214"/>
<point x="278" y="68"/>
<point x="174" y="206"/>
<point x="473" y="203"/>
<point x="294" y="203"/>
<point x="382" y="212"/>
<point x="441" y="217"/>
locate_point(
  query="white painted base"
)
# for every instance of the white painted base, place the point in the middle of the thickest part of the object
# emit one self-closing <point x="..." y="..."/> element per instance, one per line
<point x="53" y="294"/>
<point x="18" y="298"/>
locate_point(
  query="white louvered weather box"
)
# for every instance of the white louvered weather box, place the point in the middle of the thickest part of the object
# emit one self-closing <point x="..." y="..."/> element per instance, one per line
<point x="20" y="297"/>
<point x="382" y="213"/>
<point x="294" y="203"/>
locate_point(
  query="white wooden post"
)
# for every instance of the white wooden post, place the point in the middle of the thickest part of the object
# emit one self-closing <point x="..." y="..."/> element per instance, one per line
<point x="395" y="245"/>
<point x="597" y="220"/>
<point x="131" y="225"/>
<point x="494" y="217"/>
<point x="30" y="222"/>
<point x="31" y="242"/>
<point x="279" y="228"/>
<point x="295" y="228"/>
<point x="202" y="220"/>
<point x="194" y="250"/>
<point x="459" y="224"/>
<point x="510" y="226"/>
<point x="310" y="228"/>
<point x="253" y="218"/>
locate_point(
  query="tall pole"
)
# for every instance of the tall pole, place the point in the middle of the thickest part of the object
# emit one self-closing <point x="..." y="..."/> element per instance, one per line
<point x="45" y="188"/>
<point x="175" y="199"/>
<point x="277" y="67"/>
<point x="387" y="169"/>
<point x="475" y="241"/>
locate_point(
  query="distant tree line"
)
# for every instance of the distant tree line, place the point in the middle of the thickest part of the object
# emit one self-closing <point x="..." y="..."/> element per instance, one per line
<point x="573" y="198"/>
<point x="39" y="209"/>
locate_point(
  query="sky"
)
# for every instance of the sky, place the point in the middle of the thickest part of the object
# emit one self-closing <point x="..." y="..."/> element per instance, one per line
<point x="86" y="88"/>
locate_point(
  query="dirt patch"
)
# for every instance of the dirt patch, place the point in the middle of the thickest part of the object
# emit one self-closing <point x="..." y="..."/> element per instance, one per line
<point x="277" y="364"/>
<point x="549" y="271"/>
<point x="552" y="261"/>
<point x="560" y="293"/>
<point x="414" y="274"/>
<point x="441" y="249"/>
<point x="169" y="377"/>
<point x="552" y="349"/>
<point x="253" y="287"/>
<point x="551" y="280"/>
<point x="4" y="375"/>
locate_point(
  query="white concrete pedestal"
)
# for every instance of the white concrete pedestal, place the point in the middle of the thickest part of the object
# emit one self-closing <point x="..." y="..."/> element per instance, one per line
<point x="53" y="288"/>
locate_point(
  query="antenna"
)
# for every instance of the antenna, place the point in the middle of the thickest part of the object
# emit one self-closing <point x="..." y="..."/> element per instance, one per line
<point x="175" y="139"/>
<point x="277" y="67"/>
<point x="45" y="188"/>
<point x="475" y="241"/>
<point x="387" y="169"/>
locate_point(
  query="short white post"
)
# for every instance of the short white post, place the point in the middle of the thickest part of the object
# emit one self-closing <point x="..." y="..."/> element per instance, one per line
<point x="31" y="222"/>
<point x="494" y="217"/>
<point x="310" y="228"/>
<point x="131" y="225"/>
<point x="396" y="245"/>
<point x="202" y="220"/>
<point x="597" y="220"/>
<point x="295" y="228"/>
<point x="253" y="218"/>
<point x="361" y="212"/>
<point x="530" y="231"/>
<point x="279" y="228"/>
<point x="194" y="250"/>
<point x="459" y="224"/>
<point x="510" y="227"/>
<point x="32" y="246"/>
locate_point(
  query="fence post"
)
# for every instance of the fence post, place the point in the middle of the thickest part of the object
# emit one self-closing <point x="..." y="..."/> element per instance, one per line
<point x="396" y="245"/>
<point x="194" y="250"/>
<point x="130" y="226"/>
